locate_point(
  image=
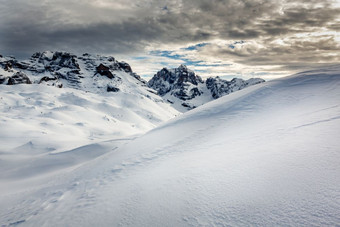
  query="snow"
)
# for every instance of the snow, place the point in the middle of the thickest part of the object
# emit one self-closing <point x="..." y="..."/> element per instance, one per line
<point x="185" y="90"/>
<point x="58" y="117"/>
<point x="267" y="155"/>
<point x="176" y="103"/>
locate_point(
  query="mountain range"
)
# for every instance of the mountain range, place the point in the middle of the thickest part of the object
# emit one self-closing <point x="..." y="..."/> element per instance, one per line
<point x="180" y="87"/>
<point x="185" y="90"/>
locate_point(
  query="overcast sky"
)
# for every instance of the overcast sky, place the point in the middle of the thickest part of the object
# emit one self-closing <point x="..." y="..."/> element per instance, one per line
<point x="263" y="38"/>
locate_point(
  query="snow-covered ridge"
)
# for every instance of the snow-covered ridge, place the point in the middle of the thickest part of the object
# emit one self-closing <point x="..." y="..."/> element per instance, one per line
<point x="88" y="98"/>
<point x="93" y="73"/>
<point x="185" y="90"/>
<point x="267" y="155"/>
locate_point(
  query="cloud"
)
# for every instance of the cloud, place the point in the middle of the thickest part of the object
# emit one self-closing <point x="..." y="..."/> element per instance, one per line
<point x="277" y="34"/>
<point x="309" y="49"/>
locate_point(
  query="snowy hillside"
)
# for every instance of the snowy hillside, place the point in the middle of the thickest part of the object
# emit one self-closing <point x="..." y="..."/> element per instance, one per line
<point x="59" y="119"/>
<point x="57" y="102"/>
<point x="91" y="73"/>
<point x="185" y="90"/>
<point x="267" y="155"/>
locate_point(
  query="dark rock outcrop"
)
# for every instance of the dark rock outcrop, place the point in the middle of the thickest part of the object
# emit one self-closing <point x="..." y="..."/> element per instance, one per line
<point x="111" y="88"/>
<point x="60" y="60"/>
<point x="181" y="82"/>
<point x="104" y="71"/>
<point x="190" y="89"/>
<point x="184" y="84"/>
<point x="3" y="79"/>
<point x="46" y="79"/>
<point x="220" y="87"/>
<point x="7" y="66"/>
<point x="188" y="106"/>
<point x="135" y="75"/>
<point x="62" y="69"/>
<point x="125" y="66"/>
<point x="18" y="78"/>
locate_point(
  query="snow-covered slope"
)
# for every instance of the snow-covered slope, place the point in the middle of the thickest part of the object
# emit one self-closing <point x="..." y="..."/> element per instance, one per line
<point x="267" y="155"/>
<point x="56" y="102"/>
<point x="185" y="90"/>
<point x="88" y="98"/>
<point x="60" y="119"/>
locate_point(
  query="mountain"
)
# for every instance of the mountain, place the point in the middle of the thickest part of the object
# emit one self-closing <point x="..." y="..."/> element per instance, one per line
<point x="185" y="90"/>
<point x="267" y="155"/>
<point x="61" y="69"/>
<point x="72" y="101"/>
<point x="180" y="87"/>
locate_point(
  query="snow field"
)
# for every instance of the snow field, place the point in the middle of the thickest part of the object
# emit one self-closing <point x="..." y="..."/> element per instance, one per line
<point x="267" y="155"/>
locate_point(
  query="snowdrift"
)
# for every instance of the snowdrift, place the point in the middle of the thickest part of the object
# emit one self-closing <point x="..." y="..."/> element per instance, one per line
<point x="267" y="155"/>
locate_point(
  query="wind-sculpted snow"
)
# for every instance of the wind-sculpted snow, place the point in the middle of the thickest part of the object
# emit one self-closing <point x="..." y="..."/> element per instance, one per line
<point x="64" y="118"/>
<point x="267" y="155"/>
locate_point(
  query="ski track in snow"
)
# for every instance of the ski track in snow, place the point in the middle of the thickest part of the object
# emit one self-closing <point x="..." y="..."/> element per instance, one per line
<point x="266" y="156"/>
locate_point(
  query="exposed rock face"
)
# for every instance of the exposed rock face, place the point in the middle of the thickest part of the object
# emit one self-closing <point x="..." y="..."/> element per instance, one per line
<point x="58" y="60"/>
<point x="8" y="66"/>
<point x="180" y="86"/>
<point x="18" y="78"/>
<point x="7" y="63"/>
<point x="138" y="78"/>
<point x="3" y="79"/>
<point x="125" y="66"/>
<point x="190" y="89"/>
<point x="46" y="79"/>
<point x="178" y="81"/>
<point x="110" y="88"/>
<point x="62" y="69"/>
<point x="220" y="87"/>
<point x="104" y="71"/>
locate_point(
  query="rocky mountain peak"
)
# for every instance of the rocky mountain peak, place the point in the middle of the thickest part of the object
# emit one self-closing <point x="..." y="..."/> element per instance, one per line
<point x="220" y="87"/>
<point x="182" y="68"/>
<point x="176" y="80"/>
<point x="190" y="90"/>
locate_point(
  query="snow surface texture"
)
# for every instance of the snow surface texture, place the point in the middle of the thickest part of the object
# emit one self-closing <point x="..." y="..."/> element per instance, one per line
<point x="185" y="90"/>
<point x="267" y="155"/>
<point x="60" y="119"/>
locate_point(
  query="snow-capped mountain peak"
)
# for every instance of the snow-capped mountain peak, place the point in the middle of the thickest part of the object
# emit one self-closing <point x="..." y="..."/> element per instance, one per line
<point x="220" y="87"/>
<point x="176" y="80"/>
<point x="186" y="90"/>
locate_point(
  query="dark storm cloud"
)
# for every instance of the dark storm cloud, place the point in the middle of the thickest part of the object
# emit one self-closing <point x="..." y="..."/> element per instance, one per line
<point x="105" y="26"/>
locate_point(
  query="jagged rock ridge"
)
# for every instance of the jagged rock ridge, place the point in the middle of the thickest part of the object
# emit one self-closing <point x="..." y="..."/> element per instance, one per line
<point x="65" y="69"/>
<point x="220" y="87"/>
<point x="177" y="81"/>
<point x="184" y="89"/>
<point x="180" y="87"/>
